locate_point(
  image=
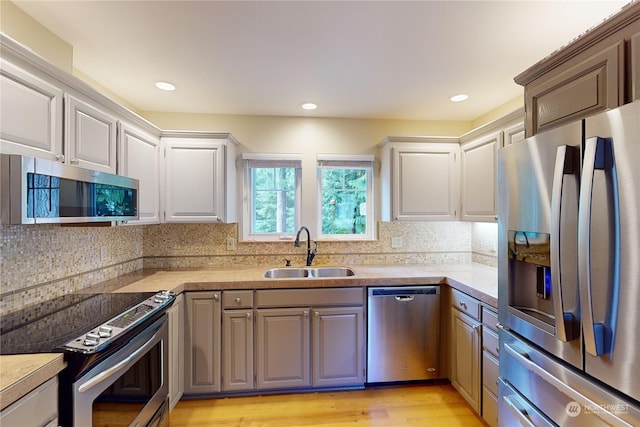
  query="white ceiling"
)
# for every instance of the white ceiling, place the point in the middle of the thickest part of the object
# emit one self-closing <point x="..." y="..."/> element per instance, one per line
<point x="357" y="59"/>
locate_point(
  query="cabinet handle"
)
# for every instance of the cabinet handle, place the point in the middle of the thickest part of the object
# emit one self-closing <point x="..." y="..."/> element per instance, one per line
<point x="216" y="297"/>
<point x="316" y="313"/>
<point x="497" y="350"/>
<point x="463" y="305"/>
<point x="248" y="315"/>
<point x="60" y="157"/>
<point x="74" y="161"/>
<point x="306" y="313"/>
<point x="238" y="300"/>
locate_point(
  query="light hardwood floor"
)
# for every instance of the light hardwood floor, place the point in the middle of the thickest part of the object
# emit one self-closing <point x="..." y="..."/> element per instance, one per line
<point x="416" y="405"/>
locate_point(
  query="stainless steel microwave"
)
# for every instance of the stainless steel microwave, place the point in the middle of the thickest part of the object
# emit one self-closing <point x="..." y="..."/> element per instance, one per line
<point x="39" y="191"/>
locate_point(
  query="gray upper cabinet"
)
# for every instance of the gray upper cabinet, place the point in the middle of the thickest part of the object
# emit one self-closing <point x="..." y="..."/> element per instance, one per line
<point x="90" y="135"/>
<point x="479" y="178"/>
<point x="199" y="182"/>
<point x="593" y="73"/>
<point x="31" y="119"/>
<point x="635" y="66"/>
<point x="139" y="158"/>
<point x="419" y="179"/>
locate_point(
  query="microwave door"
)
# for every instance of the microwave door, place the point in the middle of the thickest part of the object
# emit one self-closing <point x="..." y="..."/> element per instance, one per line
<point x="609" y="248"/>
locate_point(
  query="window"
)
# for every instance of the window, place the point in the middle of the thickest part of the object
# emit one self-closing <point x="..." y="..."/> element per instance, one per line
<point x="345" y="196"/>
<point x="271" y="200"/>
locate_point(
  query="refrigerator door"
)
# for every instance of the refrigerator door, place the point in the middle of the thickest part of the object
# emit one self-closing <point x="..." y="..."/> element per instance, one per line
<point x="565" y="395"/>
<point x="609" y="248"/>
<point x="538" y="187"/>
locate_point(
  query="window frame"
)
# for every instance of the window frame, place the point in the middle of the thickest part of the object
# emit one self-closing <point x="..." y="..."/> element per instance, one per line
<point x="347" y="161"/>
<point x="264" y="160"/>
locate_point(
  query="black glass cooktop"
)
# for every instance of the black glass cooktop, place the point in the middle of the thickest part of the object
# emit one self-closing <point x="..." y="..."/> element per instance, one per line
<point x="47" y="326"/>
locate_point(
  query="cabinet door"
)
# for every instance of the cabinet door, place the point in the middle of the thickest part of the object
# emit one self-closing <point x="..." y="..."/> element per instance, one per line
<point x="202" y="343"/>
<point x="194" y="180"/>
<point x="465" y="357"/>
<point x="570" y="94"/>
<point x="479" y="178"/>
<point x="338" y="340"/>
<point x="31" y="118"/>
<point x="38" y="408"/>
<point x="513" y="134"/>
<point x="425" y="183"/>
<point x="282" y="348"/>
<point x="635" y="67"/>
<point x="90" y="135"/>
<point x="139" y="158"/>
<point x="237" y="350"/>
<point x="175" y="316"/>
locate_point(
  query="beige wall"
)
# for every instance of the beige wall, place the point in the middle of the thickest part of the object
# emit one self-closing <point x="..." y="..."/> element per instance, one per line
<point x="23" y="28"/>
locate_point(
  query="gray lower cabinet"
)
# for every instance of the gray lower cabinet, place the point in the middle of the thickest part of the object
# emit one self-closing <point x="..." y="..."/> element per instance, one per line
<point x="202" y="343"/>
<point x="175" y="316"/>
<point x="338" y="346"/>
<point x="465" y="347"/>
<point x="282" y="348"/>
<point x="237" y="350"/>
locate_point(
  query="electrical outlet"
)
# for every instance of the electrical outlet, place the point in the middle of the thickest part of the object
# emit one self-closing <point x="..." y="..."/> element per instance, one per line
<point x="231" y="244"/>
<point x="396" y="242"/>
<point x="104" y="254"/>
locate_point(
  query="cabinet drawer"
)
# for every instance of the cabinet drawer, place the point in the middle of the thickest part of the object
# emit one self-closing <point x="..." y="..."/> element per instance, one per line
<point x="490" y="372"/>
<point x="310" y="297"/>
<point x="490" y="342"/>
<point x="489" y="408"/>
<point x="490" y="318"/>
<point x="466" y="304"/>
<point x="237" y="299"/>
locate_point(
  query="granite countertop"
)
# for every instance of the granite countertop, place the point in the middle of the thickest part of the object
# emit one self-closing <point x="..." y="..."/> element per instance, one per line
<point x="477" y="280"/>
<point x="20" y="374"/>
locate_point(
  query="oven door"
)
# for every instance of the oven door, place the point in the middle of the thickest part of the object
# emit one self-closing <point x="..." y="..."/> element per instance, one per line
<point x="129" y="388"/>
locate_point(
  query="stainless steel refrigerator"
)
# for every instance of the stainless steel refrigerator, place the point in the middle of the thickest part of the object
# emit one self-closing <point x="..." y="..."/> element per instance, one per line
<point x="569" y="274"/>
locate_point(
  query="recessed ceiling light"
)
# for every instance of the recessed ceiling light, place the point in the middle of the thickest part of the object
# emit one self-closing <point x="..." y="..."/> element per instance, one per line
<point x="309" y="106"/>
<point x="458" y="98"/>
<point x="165" y="86"/>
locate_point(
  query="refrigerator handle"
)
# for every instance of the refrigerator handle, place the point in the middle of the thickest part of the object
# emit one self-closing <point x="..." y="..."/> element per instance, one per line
<point x="566" y="164"/>
<point x="598" y="154"/>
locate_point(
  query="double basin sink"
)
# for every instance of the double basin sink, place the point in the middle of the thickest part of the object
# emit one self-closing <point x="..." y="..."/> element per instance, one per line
<point x="310" y="272"/>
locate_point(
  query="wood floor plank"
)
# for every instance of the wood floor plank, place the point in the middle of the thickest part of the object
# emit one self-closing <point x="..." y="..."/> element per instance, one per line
<point x="382" y="406"/>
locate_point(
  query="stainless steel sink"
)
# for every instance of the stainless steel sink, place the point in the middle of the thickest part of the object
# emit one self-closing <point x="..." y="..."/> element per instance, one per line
<point x="331" y="272"/>
<point x="286" y="273"/>
<point x="311" y="272"/>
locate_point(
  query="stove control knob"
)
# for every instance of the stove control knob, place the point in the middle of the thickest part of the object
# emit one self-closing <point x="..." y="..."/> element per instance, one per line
<point x="161" y="297"/>
<point x="91" y="339"/>
<point x="105" y="331"/>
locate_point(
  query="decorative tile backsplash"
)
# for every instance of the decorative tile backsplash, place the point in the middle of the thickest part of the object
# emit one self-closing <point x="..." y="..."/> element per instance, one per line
<point x="38" y="263"/>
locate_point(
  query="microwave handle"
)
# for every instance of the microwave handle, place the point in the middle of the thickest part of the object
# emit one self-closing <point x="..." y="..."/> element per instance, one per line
<point x="566" y="164"/>
<point x="598" y="155"/>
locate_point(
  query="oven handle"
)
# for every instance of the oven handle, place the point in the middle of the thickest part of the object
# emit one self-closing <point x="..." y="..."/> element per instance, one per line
<point x="117" y="367"/>
<point x="520" y="414"/>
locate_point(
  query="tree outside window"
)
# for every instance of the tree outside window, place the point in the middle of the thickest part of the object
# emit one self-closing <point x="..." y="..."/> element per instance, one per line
<point x="274" y="200"/>
<point x="344" y="199"/>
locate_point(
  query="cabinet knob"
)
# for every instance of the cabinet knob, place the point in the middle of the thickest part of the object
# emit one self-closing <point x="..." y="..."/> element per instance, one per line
<point x="216" y="297"/>
<point x="463" y="305"/>
<point x="316" y="313"/>
<point x="248" y="315"/>
<point x="305" y="313"/>
<point x="60" y="157"/>
<point x="238" y="300"/>
<point x="74" y="161"/>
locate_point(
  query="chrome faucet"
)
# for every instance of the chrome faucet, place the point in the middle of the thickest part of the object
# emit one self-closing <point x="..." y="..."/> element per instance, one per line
<point x="311" y="254"/>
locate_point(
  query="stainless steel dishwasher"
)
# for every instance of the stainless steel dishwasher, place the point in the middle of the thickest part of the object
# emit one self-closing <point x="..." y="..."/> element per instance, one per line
<point x="403" y="325"/>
